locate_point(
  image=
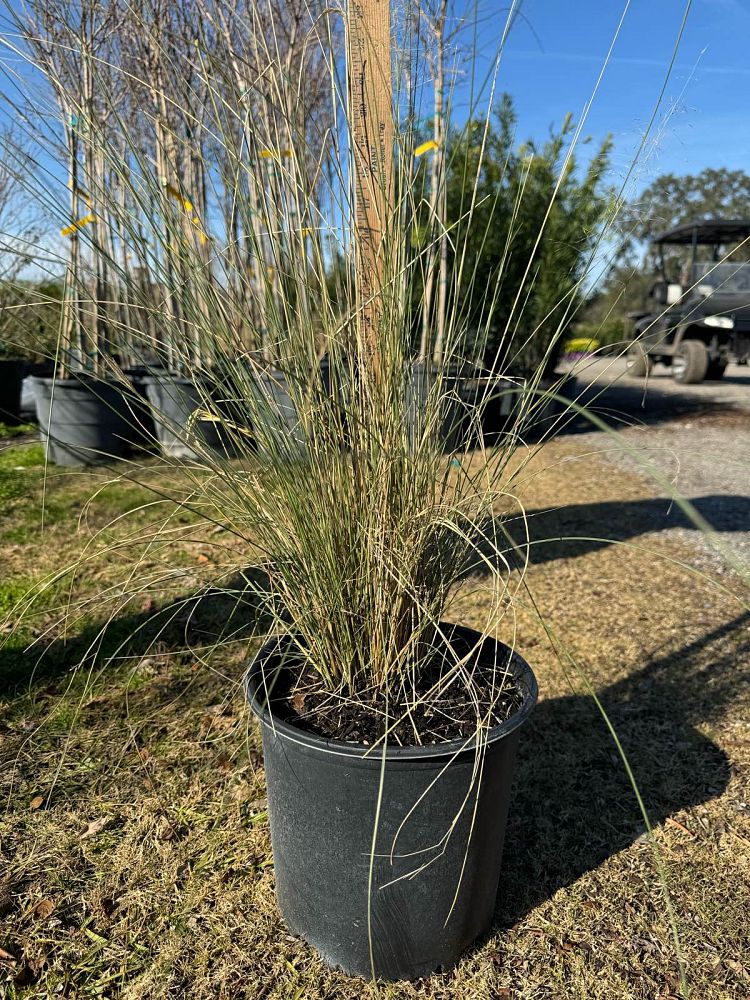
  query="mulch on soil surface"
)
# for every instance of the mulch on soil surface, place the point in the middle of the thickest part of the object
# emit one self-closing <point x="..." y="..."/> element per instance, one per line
<point x="436" y="709"/>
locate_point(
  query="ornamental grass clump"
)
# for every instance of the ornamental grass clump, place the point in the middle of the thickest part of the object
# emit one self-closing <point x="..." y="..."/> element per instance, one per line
<point x="218" y="164"/>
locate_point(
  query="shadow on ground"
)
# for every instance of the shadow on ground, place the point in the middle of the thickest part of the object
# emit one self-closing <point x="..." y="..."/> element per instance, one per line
<point x="576" y="529"/>
<point x="574" y="806"/>
<point x="230" y="612"/>
<point x="625" y="401"/>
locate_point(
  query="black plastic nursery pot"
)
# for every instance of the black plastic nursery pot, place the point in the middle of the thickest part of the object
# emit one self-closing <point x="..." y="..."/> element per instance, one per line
<point x="175" y="402"/>
<point x="143" y="428"/>
<point x="27" y="407"/>
<point x="11" y="377"/>
<point x="277" y="424"/>
<point x="458" y="428"/>
<point x="32" y="371"/>
<point x="388" y="863"/>
<point x="502" y="398"/>
<point x="276" y="420"/>
<point x="548" y="415"/>
<point x="82" y="420"/>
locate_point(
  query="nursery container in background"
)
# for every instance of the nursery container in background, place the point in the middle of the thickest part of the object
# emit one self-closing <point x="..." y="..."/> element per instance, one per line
<point x="11" y="376"/>
<point x="276" y="420"/>
<point x="458" y="428"/>
<point x="82" y="420"/>
<point x="501" y="397"/>
<point x="143" y="429"/>
<point x="546" y="416"/>
<point x="32" y="371"/>
<point x="176" y="403"/>
<point x="323" y="795"/>
<point x="28" y="398"/>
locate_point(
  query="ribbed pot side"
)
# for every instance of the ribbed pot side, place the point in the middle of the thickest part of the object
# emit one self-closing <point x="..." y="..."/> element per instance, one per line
<point x="428" y="890"/>
<point x="82" y="421"/>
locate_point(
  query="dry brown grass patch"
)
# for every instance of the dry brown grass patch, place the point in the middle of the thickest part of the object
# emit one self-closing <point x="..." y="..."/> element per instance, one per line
<point x="146" y="871"/>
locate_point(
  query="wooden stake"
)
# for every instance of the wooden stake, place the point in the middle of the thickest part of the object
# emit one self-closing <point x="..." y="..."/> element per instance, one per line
<point x="371" y="118"/>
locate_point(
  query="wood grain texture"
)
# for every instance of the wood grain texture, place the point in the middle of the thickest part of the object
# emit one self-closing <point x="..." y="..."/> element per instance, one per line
<point x="371" y="124"/>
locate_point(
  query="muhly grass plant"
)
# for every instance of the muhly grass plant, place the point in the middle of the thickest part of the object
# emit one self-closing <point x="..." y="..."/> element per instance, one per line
<point x="365" y="522"/>
<point x="212" y="152"/>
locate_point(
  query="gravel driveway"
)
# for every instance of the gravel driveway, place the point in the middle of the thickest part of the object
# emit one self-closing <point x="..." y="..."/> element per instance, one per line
<point x="697" y="437"/>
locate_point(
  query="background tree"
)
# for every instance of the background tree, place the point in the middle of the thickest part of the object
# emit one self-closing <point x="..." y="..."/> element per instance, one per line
<point x="21" y="225"/>
<point x="535" y="219"/>
<point x="431" y="18"/>
<point x="671" y="200"/>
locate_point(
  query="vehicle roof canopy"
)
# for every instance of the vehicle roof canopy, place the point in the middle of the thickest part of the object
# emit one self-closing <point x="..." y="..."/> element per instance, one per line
<point x="706" y="232"/>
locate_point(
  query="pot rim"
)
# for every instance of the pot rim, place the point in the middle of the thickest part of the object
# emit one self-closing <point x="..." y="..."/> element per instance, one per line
<point x="85" y="378"/>
<point x="166" y="377"/>
<point x="84" y="382"/>
<point x="297" y="734"/>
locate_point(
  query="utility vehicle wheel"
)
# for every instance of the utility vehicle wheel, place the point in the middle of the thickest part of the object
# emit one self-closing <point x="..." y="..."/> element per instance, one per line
<point x="715" y="370"/>
<point x="637" y="362"/>
<point x="690" y="362"/>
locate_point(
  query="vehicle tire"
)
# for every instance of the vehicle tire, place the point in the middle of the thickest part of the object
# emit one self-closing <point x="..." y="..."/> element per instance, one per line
<point x="690" y="362"/>
<point x="637" y="362"/>
<point x="715" y="370"/>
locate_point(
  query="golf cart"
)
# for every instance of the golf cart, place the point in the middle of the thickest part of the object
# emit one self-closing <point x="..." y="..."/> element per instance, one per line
<point x="701" y="322"/>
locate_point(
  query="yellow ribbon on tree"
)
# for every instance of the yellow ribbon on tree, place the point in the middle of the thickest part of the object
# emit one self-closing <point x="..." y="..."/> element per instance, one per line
<point x="78" y="224"/>
<point x="179" y="196"/>
<point x="273" y="154"/>
<point x="190" y="208"/>
<point x="425" y="147"/>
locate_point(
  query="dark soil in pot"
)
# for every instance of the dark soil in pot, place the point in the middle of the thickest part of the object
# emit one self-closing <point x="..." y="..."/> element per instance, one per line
<point x="82" y="420"/>
<point x="412" y="905"/>
<point x="11" y="376"/>
<point x="302" y="700"/>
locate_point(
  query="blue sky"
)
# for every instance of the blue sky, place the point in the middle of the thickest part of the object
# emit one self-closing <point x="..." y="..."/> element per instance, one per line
<point x="554" y="55"/>
<point x="555" y="52"/>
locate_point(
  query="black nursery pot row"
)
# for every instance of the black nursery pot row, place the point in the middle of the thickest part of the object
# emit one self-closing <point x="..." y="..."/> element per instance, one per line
<point x="85" y="420"/>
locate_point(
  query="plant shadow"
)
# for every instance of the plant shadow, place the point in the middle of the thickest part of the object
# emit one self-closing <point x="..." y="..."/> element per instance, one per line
<point x="211" y="615"/>
<point x="577" y="529"/>
<point x="573" y="805"/>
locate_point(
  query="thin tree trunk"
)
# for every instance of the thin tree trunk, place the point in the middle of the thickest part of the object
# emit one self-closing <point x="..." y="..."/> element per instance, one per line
<point x="437" y="356"/>
<point x="437" y="203"/>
